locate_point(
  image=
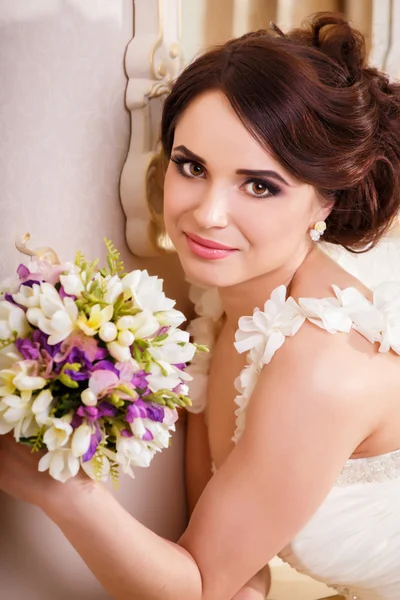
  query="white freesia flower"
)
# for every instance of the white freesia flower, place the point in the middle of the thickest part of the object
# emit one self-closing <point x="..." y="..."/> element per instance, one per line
<point x="15" y="412"/>
<point x="160" y="432"/>
<point x="158" y="380"/>
<point x="81" y="440"/>
<point x="12" y="320"/>
<point x="56" y="316"/>
<point x="101" y="471"/>
<point x="132" y="452"/>
<point x="146" y="291"/>
<point x="61" y="464"/>
<point x="97" y="318"/>
<point x="8" y="356"/>
<point x="113" y="289"/>
<point x="28" y="296"/>
<point x="144" y="324"/>
<point x="58" y="434"/>
<point x="23" y="380"/>
<point x="172" y="351"/>
<point x="18" y="378"/>
<point x="41" y="407"/>
<point x="88" y="397"/>
<point x="72" y="282"/>
<point x="138" y="428"/>
<point x="119" y="352"/>
<point x="170" y="318"/>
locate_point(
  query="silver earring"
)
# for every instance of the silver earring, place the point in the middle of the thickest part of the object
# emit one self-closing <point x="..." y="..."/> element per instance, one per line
<point x="318" y="230"/>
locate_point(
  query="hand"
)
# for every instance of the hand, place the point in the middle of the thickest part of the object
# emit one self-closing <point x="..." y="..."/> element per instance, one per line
<point x="257" y="588"/>
<point x="20" y="478"/>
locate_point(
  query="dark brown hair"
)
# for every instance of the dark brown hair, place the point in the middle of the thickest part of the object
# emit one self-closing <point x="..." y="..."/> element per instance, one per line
<point x="309" y="98"/>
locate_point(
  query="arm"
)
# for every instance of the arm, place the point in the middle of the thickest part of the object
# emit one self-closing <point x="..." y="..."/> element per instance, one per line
<point x="198" y="459"/>
<point x="198" y="474"/>
<point x="300" y="430"/>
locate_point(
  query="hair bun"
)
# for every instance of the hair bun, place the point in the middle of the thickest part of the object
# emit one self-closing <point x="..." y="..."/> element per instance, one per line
<point x="334" y="36"/>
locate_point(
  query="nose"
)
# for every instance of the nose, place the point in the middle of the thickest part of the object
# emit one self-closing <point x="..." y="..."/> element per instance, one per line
<point x="212" y="210"/>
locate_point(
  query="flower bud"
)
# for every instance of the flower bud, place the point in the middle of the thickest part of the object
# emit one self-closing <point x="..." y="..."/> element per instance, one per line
<point x="126" y="322"/>
<point x="88" y="397"/>
<point x="108" y="332"/>
<point x="126" y="338"/>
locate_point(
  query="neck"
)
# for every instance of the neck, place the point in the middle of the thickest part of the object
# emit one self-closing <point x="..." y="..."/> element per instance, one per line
<point x="241" y="299"/>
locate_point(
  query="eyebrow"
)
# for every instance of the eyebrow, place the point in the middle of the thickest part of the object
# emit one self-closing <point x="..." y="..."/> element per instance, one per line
<point x="248" y="172"/>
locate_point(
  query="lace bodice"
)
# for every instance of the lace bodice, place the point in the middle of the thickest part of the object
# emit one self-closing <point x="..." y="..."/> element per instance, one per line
<point x="353" y="541"/>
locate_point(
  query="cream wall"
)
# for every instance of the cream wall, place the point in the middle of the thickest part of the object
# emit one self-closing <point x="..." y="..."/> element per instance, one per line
<point x="64" y="135"/>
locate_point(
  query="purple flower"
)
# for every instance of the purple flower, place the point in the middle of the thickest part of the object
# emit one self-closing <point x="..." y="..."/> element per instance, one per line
<point x="9" y="298"/>
<point x="89" y="412"/>
<point x="41" y="338"/>
<point x="181" y="366"/>
<point x="143" y="410"/>
<point x="105" y="365"/>
<point x="77" y="375"/>
<point x="23" y="271"/>
<point x="162" y="331"/>
<point x="63" y="294"/>
<point x="107" y="410"/>
<point x="28" y="349"/>
<point x="155" y="412"/>
<point x="76" y="421"/>
<point x="126" y="433"/>
<point x="94" y="442"/>
<point x="148" y="436"/>
<point x="136" y="410"/>
<point x="139" y="380"/>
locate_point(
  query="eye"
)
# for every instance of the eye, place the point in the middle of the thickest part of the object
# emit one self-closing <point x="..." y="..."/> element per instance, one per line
<point x="260" y="189"/>
<point x="188" y="168"/>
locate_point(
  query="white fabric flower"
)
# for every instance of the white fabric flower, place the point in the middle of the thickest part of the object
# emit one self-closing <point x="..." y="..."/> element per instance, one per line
<point x="61" y="464"/>
<point x="146" y="291"/>
<point x="264" y="333"/>
<point x="327" y="313"/>
<point x="58" y="434"/>
<point x="12" y="320"/>
<point x="387" y="301"/>
<point x="56" y="317"/>
<point x="364" y="316"/>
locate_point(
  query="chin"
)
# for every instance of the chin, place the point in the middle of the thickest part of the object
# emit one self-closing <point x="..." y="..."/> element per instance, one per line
<point x="208" y="274"/>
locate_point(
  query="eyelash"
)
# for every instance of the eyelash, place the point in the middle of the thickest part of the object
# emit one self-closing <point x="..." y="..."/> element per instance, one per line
<point x="272" y="188"/>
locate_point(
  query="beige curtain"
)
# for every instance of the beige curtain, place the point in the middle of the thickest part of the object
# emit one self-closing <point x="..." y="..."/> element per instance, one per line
<point x="228" y="18"/>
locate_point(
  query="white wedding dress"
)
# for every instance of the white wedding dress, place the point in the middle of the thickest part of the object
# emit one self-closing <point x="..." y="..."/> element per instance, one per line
<point x="352" y="543"/>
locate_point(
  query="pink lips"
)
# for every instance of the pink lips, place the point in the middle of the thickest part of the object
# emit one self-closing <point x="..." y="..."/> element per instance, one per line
<point x="207" y="249"/>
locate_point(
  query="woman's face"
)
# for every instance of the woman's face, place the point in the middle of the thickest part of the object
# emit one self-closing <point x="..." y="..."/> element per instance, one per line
<point x="232" y="212"/>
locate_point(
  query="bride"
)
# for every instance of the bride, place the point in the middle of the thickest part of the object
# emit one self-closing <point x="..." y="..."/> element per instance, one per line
<point x="274" y="143"/>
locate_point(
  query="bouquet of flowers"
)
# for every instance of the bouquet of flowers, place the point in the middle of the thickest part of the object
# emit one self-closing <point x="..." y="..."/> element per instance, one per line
<point x="92" y="365"/>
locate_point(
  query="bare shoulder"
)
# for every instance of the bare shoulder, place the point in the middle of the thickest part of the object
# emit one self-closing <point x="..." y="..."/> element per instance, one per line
<point x="319" y="273"/>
